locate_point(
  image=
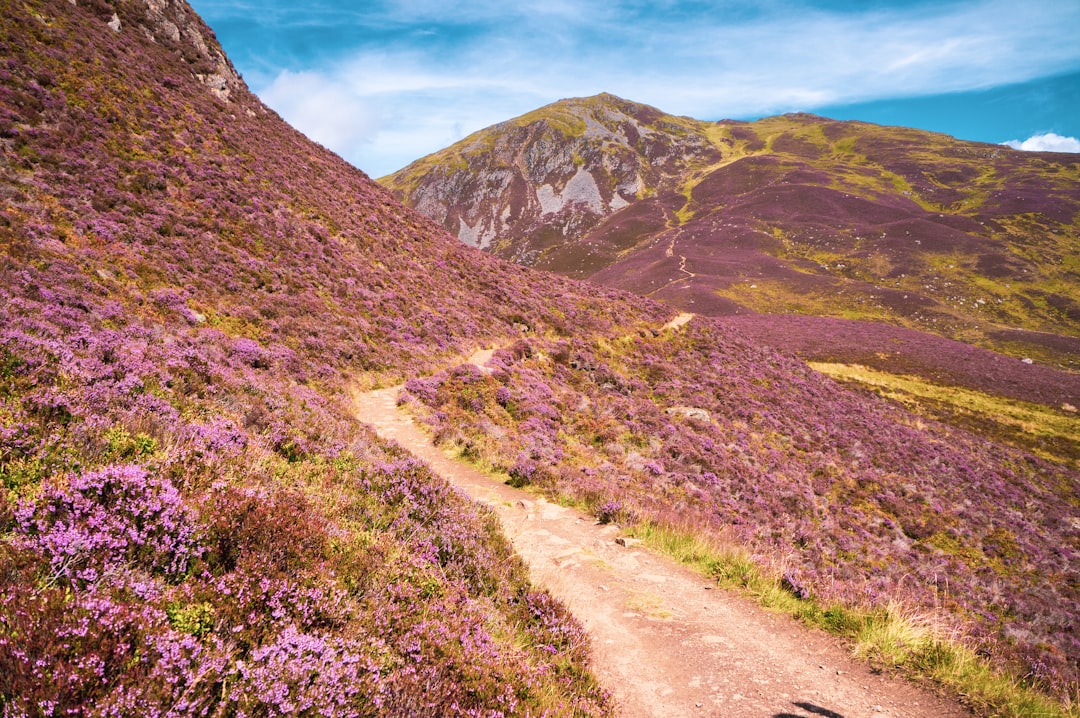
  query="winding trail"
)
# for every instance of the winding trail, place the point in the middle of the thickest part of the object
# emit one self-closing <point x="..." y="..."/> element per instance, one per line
<point x="666" y="643"/>
<point x="669" y="252"/>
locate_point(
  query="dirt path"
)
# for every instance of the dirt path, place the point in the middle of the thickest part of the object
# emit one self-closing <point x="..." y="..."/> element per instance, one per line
<point x="665" y="641"/>
<point x="670" y="252"/>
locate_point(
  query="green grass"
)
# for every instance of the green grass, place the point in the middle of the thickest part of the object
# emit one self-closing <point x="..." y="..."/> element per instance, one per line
<point x="890" y="638"/>
<point x="1053" y="434"/>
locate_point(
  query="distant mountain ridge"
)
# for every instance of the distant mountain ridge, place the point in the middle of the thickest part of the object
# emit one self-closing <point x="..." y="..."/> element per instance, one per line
<point x="796" y="213"/>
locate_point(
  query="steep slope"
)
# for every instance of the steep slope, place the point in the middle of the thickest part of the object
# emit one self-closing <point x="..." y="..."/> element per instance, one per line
<point x="792" y="214"/>
<point x="190" y="522"/>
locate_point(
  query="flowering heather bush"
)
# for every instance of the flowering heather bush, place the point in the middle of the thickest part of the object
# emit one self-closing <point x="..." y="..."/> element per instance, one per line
<point x="305" y="674"/>
<point x="120" y="514"/>
<point x="860" y="502"/>
<point x="608" y="512"/>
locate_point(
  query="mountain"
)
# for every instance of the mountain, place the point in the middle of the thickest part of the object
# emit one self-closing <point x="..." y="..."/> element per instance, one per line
<point x="792" y="214"/>
<point x="193" y="522"/>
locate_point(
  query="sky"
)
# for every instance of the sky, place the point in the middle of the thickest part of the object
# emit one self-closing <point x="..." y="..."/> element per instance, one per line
<point x="384" y="83"/>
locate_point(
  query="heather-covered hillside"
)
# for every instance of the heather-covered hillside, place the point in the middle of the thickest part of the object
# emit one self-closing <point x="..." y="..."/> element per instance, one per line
<point x="191" y="523"/>
<point x="794" y="214"/>
<point x="856" y="500"/>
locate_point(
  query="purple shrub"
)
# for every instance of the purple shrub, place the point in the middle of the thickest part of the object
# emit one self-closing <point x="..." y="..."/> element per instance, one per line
<point x="790" y="582"/>
<point x="308" y="674"/>
<point x="424" y="389"/>
<point x="212" y="442"/>
<point x="552" y="626"/>
<point x="270" y="533"/>
<point x="94" y="520"/>
<point x="608" y="512"/>
<point x="523" y="472"/>
<point x="248" y="352"/>
<point x="65" y="651"/>
<point x="62" y="652"/>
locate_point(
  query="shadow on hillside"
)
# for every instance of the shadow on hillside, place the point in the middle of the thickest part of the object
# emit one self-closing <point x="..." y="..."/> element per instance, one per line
<point x="809" y="708"/>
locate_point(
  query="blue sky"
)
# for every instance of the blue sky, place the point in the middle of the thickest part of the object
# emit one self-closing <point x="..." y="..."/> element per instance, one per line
<point x="384" y="83"/>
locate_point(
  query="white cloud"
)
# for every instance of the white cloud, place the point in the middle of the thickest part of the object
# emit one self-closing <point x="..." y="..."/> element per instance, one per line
<point x="1048" y="142"/>
<point x="382" y="106"/>
<point x="323" y="107"/>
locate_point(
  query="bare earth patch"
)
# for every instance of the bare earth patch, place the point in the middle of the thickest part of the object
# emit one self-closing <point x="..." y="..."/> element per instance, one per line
<point x="665" y="641"/>
<point x="680" y="320"/>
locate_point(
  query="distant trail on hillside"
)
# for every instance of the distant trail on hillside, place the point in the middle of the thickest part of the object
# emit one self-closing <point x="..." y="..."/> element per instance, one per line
<point x="666" y="642"/>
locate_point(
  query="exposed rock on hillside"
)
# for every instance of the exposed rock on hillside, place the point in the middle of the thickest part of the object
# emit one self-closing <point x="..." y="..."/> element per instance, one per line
<point x="526" y="186"/>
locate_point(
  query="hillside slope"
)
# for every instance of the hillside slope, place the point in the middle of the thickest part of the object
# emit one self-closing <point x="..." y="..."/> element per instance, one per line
<point x="192" y="523"/>
<point x="792" y="214"/>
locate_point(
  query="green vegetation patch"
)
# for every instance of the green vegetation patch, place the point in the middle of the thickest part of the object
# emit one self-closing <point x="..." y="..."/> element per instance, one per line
<point x="1045" y="427"/>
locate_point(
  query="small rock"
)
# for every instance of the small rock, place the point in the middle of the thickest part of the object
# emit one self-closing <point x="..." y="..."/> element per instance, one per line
<point x="690" y="412"/>
<point x="114" y="24"/>
<point x="1028" y="361"/>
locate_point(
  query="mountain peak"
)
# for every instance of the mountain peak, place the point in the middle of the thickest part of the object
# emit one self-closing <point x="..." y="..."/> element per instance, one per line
<point x="580" y="158"/>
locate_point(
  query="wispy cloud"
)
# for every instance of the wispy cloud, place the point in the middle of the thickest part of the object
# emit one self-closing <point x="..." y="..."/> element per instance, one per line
<point x="325" y="108"/>
<point x="424" y="71"/>
<point x="1048" y="142"/>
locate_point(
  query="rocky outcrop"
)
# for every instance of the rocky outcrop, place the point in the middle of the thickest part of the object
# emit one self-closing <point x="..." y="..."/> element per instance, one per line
<point x="174" y="24"/>
<point x="554" y="174"/>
